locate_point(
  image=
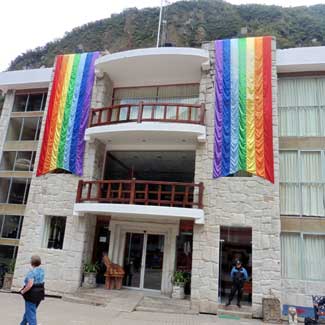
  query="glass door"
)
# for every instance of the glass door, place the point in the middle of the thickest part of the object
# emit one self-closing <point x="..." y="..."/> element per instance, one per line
<point x="143" y="260"/>
<point x="154" y="262"/>
<point x="133" y="259"/>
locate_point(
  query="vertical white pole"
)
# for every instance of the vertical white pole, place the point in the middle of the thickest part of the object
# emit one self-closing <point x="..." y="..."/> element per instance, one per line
<point x="159" y="24"/>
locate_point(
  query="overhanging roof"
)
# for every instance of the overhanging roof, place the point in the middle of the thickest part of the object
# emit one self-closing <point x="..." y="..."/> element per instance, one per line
<point x="154" y="66"/>
<point x="301" y="59"/>
<point x="25" y="79"/>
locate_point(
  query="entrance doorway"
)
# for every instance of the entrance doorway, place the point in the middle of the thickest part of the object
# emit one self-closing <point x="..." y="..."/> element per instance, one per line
<point x="143" y="260"/>
<point x="101" y="246"/>
<point x="235" y="243"/>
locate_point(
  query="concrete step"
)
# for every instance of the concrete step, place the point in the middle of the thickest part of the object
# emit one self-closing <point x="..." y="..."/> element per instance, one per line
<point x="85" y="300"/>
<point x="165" y="310"/>
<point x="165" y="305"/>
<point x="243" y="312"/>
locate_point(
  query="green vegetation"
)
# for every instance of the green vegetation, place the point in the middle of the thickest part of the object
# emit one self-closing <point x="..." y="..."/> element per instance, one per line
<point x="190" y="23"/>
<point x="91" y="267"/>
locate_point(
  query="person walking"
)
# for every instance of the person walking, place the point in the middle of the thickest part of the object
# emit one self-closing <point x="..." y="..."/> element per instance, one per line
<point x="33" y="291"/>
<point x="239" y="276"/>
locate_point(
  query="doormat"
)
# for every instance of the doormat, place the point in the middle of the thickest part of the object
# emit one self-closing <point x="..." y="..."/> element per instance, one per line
<point x="229" y="317"/>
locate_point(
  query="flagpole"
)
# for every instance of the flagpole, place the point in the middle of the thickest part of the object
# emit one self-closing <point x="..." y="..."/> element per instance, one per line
<point x="159" y="24"/>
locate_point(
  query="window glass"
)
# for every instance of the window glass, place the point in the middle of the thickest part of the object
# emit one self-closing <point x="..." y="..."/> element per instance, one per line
<point x="11" y="227"/>
<point x="55" y="232"/>
<point x="291" y="255"/>
<point x="4" y="189"/>
<point x="17" y="160"/>
<point x="301" y="106"/>
<point x="24" y="128"/>
<point x="8" y="160"/>
<point x="36" y="102"/>
<point x="29" y="102"/>
<point x="7" y="253"/>
<point x="18" y="192"/>
<point x="302" y="183"/>
<point x="20" y="103"/>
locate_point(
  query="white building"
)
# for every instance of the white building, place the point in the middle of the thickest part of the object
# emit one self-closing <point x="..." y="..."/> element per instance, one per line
<point x="161" y="210"/>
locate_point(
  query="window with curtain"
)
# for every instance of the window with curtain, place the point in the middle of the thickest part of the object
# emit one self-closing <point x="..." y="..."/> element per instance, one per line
<point x="291" y="255"/>
<point x="181" y="94"/>
<point x="314" y="253"/>
<point x="302" y="183"/>
<point x="301" y="106"/>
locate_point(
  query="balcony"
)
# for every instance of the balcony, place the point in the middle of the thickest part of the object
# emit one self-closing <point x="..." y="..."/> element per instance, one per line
<point x="141" y="198"/>
<point x="154" y="121"/>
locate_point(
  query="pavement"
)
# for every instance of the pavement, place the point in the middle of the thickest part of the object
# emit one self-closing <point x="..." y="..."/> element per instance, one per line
<point x="55" y="311"/>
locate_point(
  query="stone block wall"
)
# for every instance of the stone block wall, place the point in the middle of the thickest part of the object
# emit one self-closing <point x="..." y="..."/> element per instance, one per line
<point x="235" y="201"/>
<point x="55" y="195"/>
<point x="5" y="118"/>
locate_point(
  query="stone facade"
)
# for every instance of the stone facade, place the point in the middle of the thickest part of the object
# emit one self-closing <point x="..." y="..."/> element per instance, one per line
<point x="55" y="195"/>
<point x="236" y="201"/>
<point x="5" y="117"/>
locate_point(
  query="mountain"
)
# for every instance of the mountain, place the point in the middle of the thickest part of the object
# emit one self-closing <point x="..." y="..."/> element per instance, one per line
<point x="189" y="23"/>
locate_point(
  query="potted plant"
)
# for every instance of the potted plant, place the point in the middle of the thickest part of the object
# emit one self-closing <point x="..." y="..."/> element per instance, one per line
<point x="90" y="272"/>
<point x="179" y="279"/>
<point x="9" y="275"/>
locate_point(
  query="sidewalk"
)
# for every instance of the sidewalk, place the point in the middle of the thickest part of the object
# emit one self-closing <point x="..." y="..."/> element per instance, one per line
<point x="56" y="312"/>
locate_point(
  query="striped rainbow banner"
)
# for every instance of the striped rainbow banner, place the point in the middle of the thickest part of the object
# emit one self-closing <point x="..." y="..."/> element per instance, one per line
<point x="67" y="117"/>
<point x="243" y="108"/>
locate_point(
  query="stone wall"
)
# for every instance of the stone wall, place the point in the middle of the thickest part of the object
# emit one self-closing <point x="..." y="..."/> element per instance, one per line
<point x="235" y="201"/>
<point x="55" y="195"/>
<point x="5" y="118"/>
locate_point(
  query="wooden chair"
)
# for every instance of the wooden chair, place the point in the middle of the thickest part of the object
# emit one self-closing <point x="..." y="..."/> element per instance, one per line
<point x="114" y="274"/>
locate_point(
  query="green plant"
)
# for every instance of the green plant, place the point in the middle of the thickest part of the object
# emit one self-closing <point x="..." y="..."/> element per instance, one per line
<point x="11" y="267"/>
<point x="90" y="267"/>
<point x="179" y="278"/>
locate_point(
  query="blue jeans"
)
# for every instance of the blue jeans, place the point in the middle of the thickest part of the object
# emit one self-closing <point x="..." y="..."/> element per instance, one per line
<point x="30" y="314"/>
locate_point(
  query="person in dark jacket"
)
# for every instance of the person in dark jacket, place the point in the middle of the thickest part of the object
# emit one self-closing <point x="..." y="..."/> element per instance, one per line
<point x="239" y="276"/>
<point x="33" y="291"/>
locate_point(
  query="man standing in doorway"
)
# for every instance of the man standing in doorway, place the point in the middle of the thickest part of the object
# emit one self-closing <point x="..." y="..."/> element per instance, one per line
<point x="239" y="276"/>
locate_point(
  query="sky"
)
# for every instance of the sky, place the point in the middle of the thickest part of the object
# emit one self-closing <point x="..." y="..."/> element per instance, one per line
<point x="26" y="24"/>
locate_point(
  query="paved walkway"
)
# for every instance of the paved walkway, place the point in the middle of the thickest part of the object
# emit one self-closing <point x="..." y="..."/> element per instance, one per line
<point x="57" y="312"/>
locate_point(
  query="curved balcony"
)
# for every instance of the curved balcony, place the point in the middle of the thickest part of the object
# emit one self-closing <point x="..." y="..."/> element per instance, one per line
<point x="143" y="121"/>
<point x="141" y="198"/>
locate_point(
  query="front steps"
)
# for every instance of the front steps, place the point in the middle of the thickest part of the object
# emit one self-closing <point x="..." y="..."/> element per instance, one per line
<point x="233" y="310"/>
<point x="161" y="304"/>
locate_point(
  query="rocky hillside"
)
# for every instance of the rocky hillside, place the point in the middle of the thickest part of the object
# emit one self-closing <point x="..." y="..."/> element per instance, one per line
<point x="189" y="24"/>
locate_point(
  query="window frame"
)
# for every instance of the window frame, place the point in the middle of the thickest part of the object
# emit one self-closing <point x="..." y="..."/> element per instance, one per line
<point x="37" y="129"/>
<point x="28" y="94"/>
<point x="19" y="226"/>
<point x="47" y="232"/>
<point x="300" y="182"/>
<point x="302" y="263"/>
<point x="296" y="107"/>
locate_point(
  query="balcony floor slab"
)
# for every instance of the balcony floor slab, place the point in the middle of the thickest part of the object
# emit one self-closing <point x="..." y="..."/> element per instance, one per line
<point x="143" y="211"/>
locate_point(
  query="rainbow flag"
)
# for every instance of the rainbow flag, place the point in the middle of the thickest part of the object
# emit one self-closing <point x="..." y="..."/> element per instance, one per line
<point x="243" y="107"/>
<point x="63" y="143"/>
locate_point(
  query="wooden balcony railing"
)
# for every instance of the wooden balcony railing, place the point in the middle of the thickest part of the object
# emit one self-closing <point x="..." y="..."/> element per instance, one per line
<point x="170" y="194"/>
<point x="154" y="112"/>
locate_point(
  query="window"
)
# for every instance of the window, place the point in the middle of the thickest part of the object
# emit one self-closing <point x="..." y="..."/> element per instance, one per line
<point x="10" y="226"/>
<point x="14" y="190"/>
<point x="184" y="94"/>
<point x="18" y="160"/>
<point x="30" y="102"/>
<point x="7" y="254"/>
<point x="54" y="232"/>
<point x="302" y="183"/>
<point x="301" y="106"/>
<point x="303" y="256"/>
<point x="24" y="128"/>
